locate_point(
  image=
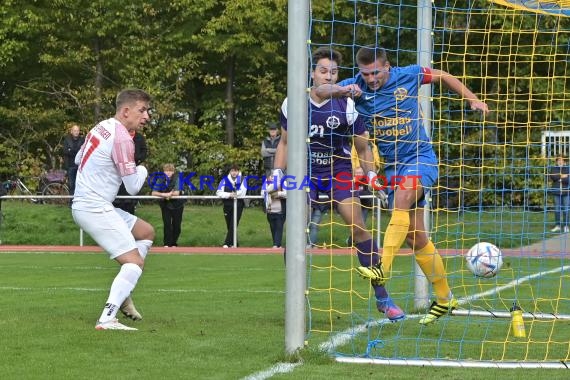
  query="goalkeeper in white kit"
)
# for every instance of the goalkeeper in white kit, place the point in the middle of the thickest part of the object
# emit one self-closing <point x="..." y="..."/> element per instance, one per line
<point x="106" y="160"/>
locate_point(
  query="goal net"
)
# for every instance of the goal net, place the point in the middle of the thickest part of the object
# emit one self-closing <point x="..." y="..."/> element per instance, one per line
<point x="494" y="186"/>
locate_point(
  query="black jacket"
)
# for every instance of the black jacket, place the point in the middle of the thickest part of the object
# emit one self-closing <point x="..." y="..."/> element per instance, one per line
<point x="559" y="185"/>
<point x="268" y="148"/>
<point x="71" y="146"/>
<point x="141" y="149"/>
<point x="174" y="184"/>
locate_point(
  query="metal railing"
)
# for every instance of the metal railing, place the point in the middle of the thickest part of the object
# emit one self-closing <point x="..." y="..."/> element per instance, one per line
<point x="37" y="198"/>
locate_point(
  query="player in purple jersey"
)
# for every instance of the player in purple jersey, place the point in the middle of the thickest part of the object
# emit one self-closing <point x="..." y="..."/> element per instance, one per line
<point x="388" y="98"/>
<point x="334" y="125"/>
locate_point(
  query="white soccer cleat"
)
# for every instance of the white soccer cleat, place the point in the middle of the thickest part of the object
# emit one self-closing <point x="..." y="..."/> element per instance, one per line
<point x="128" y="309"/>
<point x="113" y="324"/>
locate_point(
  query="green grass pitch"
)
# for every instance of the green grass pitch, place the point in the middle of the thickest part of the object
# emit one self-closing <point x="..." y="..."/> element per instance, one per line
<point x="205" y="317"/>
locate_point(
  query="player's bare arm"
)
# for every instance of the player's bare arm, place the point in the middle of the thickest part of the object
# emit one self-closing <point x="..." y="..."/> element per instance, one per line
<point x="326" y="91"/>
<point x="364" y="153"/>
<point x="280" y="160"/>
<point x="454" y="84"/>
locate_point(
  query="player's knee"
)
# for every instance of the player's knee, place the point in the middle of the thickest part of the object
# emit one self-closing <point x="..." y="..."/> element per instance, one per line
<point x="150" y="233"/>
<point x="143" y="230"/>
<point x="146" y="232"/>
<point x="416" y="240"/>
<point x="131" y="257"/>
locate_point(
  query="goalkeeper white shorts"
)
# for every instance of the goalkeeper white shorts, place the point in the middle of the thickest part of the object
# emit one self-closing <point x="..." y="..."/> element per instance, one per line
<point x="110" y="229"/>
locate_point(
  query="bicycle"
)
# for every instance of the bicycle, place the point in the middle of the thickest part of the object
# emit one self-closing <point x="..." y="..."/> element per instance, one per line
<point x="54" y="183"/>
<point x="15" y="186"/>
<point x="50" y="183"/>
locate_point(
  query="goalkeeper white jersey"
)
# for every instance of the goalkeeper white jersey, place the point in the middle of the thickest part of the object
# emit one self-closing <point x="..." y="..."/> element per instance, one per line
<point x="107" y="155"/>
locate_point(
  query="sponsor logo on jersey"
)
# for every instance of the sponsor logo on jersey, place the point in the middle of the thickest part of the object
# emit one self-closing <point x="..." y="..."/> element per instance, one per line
<point x="380" y="121"/>
<point x="394" y="131"/>
<point x="333" y="122"/>
<point x="400" y="93"/>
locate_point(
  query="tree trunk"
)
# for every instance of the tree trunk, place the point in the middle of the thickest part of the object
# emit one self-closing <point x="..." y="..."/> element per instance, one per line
<point x="98" y="81"/>
<point x="230" y="106"/>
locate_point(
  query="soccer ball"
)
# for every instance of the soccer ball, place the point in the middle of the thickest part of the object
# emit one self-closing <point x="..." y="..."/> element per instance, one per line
<point x="484" y="260"/>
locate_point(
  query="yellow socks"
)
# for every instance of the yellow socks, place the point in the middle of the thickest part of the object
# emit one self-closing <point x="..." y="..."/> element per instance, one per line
<point x="394" y="237"/>
<point x="432" y="265"/>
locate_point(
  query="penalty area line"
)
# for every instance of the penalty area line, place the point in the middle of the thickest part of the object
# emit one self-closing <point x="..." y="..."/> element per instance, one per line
<point x="345" y="336"/>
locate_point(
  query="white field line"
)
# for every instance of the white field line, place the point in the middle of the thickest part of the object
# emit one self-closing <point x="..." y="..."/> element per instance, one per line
<point x="336" y="341"/>
<point x="114" y="269"/>
<point x="45" y="267"/>
<point x="28" y="289"/>
<point x="277" y="368"/>
<point x="345" y="336"/>
<point x="79" y="289"/>
<point x="512" y="284"/>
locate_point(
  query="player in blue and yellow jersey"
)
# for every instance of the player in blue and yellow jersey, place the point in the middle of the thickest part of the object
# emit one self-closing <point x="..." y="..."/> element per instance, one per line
<point x="388" y="98"/>
<point x="333" y="124"/>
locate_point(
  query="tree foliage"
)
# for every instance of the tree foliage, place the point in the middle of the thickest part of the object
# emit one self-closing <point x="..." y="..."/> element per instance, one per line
<point x="63" y="62"/>
<point x="217" y="71"/>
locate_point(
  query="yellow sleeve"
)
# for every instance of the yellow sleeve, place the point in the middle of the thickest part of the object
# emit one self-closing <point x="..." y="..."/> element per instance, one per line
<point x="354" y="158"/>
<point x="377" y="160"/>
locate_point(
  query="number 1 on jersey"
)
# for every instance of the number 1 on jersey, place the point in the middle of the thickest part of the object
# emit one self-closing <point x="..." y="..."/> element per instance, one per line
<point x="91" y="143"/>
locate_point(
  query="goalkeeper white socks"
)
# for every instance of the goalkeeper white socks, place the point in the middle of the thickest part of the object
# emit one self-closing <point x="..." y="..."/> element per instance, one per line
<point x="122" y="286"/>
<point x="143" y="247"/>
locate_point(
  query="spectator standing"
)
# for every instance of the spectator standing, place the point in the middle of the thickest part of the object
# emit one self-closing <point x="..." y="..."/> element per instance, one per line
<point x="269" y="147"/>
<point x="170" y="207"/>
<point x="71" y="145"/>
<point x="141" y="153"/>
<point x="275" y="207"/>
<point x="232" y="187"/>
<point x="560" y="190"/>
